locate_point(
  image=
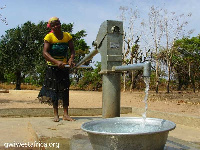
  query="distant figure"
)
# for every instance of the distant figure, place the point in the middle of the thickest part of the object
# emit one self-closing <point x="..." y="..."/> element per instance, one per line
<point x="56" y="84"/>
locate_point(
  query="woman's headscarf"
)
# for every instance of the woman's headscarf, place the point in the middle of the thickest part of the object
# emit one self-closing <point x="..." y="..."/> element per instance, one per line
<point x="51" y="20"/>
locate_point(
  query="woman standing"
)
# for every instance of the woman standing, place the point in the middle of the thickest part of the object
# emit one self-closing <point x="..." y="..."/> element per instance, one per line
<point x="56" y="84"/>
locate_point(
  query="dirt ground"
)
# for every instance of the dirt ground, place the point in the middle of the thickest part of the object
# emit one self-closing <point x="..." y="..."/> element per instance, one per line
<point x="186" y="103"/>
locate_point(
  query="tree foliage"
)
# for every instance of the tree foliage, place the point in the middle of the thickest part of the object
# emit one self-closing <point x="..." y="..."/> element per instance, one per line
<point x="156" y="37"/>
<point x="186" y="61"/>
<point x="91" y="79"/>
<point x="18" y="50"/>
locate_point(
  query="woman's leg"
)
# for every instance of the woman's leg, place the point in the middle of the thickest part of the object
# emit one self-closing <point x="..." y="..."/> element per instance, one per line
<point x="56" y="117"/>
<point x="65" y="115"/>
<point x="66" y="105"/>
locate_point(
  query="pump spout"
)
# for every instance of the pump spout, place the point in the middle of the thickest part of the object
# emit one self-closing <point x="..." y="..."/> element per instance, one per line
<point x="146" y="67"/>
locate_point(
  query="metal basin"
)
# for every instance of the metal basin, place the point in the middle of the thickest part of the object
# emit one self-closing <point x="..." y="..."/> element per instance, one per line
<point x="128" y="133"/>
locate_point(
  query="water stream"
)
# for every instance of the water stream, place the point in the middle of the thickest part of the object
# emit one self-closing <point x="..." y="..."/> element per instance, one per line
<point x="144" y="115"/>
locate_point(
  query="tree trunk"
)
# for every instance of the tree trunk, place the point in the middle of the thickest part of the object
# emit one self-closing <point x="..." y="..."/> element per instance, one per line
<point x="180" y="83"/>
<point x="168" y="53"/>
<point x="124" y="81"/>
<point x="189" y="72"/>
<point x="193" y="84"/>
<point x="168" y="86"/>
<point x="135" y="79"/>
<point x="157" y="86"/>
<point x="191" y="79"/>
<point x="18" y="80"/>
<point x="132" y="74"/>
<point x="169" y="72"/>
<point x="157" y="80"/>
<point x="132" y="80"/>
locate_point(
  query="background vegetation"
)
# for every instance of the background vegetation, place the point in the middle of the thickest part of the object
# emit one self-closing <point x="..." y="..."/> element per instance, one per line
<point x="163" y="40"/>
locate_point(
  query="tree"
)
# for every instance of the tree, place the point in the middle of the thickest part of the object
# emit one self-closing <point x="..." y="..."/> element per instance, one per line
<point x="186" y="61"/>
<point x="131" y="48"/>
<point x="165" y="28"/>
<point x="155" y="25"/>
<point x="18" y="51"/>
<point x="156" y="39"/>
<point x="173" y="26"/>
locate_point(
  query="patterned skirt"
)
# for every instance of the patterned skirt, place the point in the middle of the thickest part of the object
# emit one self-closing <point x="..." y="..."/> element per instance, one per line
<point x="55" y="90"/>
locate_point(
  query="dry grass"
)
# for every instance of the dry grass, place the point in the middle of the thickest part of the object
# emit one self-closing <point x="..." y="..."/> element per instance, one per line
<point x="6" y="86"/>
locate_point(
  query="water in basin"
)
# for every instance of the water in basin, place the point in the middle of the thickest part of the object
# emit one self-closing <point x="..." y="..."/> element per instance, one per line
<point x="129" y="125"/>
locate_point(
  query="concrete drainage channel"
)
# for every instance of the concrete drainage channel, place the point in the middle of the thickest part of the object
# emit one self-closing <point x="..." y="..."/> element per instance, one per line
<point x="70" y="138"/>
<point x="43" y="133"/>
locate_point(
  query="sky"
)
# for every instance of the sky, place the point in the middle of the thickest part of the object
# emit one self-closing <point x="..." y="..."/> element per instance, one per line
<point x="88" y="15"/>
